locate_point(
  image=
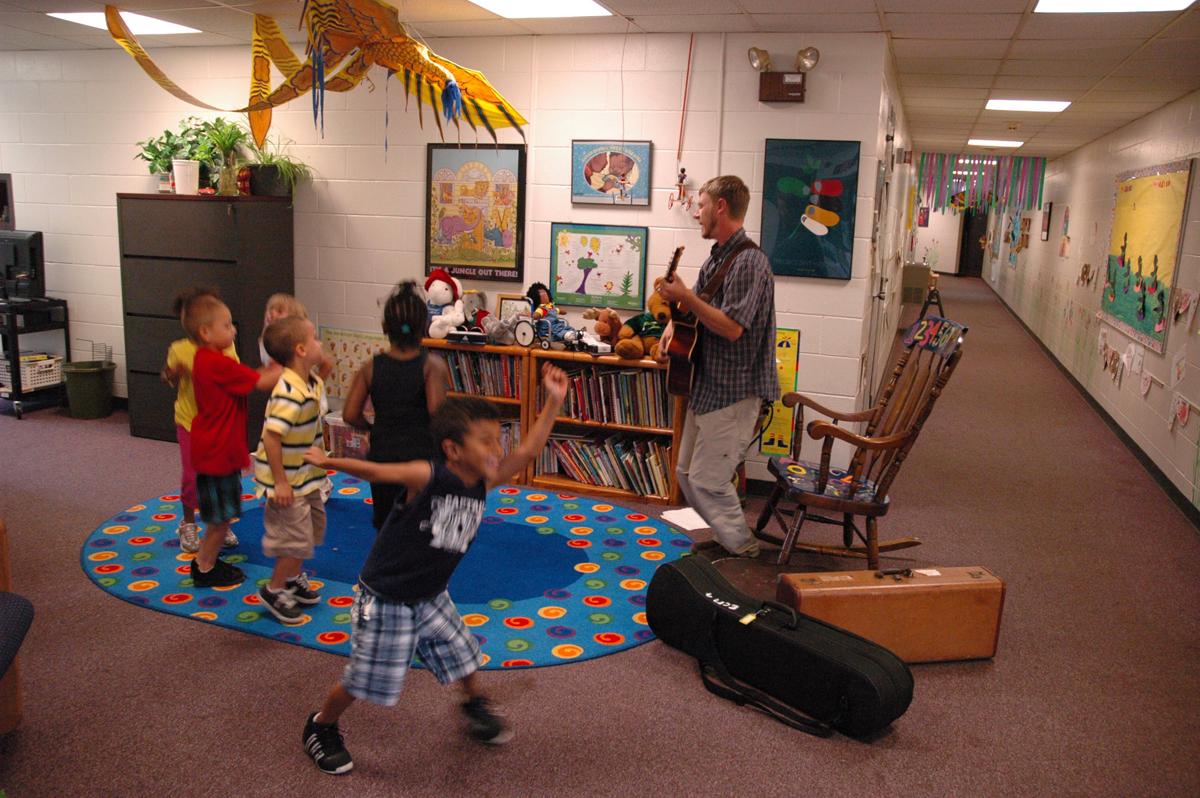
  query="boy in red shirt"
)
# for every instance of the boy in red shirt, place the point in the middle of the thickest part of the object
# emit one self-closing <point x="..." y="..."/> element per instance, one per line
<point x="219" y="450"/>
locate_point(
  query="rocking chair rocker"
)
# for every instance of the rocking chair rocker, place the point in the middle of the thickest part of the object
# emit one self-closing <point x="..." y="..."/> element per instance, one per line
<point x="933" y="346"/>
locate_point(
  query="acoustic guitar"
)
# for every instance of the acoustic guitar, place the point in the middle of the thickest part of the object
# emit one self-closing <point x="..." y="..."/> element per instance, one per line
<point x="680" y="369"/>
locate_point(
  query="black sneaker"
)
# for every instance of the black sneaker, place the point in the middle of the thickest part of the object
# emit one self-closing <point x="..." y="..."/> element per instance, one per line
<point x="281" y="605"/>
<point x="323" y="742"/>
<point x="222" y="575"/>
<point x="301" y="591"/>
<point x="486" y="726"/>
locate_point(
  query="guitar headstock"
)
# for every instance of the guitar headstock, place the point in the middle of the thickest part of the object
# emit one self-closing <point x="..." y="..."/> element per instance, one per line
<point x="674" y="263"/>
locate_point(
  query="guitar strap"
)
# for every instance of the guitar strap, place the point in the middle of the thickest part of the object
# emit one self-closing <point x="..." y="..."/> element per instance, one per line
<point x="714" y="283"/>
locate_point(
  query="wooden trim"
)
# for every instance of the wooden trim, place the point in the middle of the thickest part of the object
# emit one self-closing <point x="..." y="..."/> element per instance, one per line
<point x="562" y="483"/>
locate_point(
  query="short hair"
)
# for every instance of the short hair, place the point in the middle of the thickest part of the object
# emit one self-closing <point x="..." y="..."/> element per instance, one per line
<point x="731" y="189"/>
<point x="405" y="316"/>
<point x="291" y="305"/>
<point x="454" y="416"/>
<point x="282" y="336"/>
<point x="198" y="311"/>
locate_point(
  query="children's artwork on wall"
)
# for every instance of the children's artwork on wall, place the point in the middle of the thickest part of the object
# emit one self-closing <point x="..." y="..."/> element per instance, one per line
<point x="1014" y="237"/>
<point x="349" y="349"/>
<point x="1046" y="220"/>
<point x="595" y="265"/>
<point x="1026" y="226"/>
<point x="777" y="437"/>
<point x="923" y="217"/>
<point x="475" y="210"/>
<point x="994" y="234"/>
<point x="1178" y="366"/>
<point x="1143" y="250"/>
<point x="610" y="172"/>
<point x="509" y="305"/>
<point x="1144" y="388"/>
<point x="1180" y="409"/>
<point x="808" y="209"/>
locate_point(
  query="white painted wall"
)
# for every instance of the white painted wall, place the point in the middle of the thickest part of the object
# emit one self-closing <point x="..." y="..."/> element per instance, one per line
<point x="940" y="241"/>
<point x="69" y="122"/>
<point x="1043" y="288"/>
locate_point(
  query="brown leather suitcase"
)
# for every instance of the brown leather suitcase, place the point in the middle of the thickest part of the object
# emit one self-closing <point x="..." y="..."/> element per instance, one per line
<point x="922" y="615"/>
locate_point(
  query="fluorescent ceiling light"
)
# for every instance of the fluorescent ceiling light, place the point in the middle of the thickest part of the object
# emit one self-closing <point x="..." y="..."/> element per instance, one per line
<point x="542" y="9"/>
<point x="1035" y="106"/>
<point x="993" y="143"/>
<point x="136" y="22"/>
<point x="1108" y="6"/>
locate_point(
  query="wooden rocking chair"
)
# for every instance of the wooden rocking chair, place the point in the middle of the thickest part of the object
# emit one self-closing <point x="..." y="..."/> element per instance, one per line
<point x="933" y="346"/>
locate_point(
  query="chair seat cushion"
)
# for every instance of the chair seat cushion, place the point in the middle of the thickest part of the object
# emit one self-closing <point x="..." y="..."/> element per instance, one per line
<point x="16" y="613"/>
<point x="801" y="476"/>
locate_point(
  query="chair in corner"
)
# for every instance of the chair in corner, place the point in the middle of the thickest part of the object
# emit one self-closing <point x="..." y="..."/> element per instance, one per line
<point x="932" y="349"/>
<point x="16" y="613"/>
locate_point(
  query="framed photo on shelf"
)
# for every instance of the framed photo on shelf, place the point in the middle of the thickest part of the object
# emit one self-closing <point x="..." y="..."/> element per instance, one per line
<point x="508" y="305"/>
<point x="475" y="210"/>
<point x="598" y="265"/>
<point x="605" y="172"/>
<point x="810" y="189"/>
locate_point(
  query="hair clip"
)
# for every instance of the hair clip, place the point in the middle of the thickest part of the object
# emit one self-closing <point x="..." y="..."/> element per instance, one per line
<point x="405" y="329"/>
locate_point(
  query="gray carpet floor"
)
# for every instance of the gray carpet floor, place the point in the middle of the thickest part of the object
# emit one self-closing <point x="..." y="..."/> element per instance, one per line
<point x="1095" y="690"/>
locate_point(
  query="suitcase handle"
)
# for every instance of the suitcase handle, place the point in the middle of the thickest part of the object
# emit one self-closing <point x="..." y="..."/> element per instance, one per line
<point x="775" y="605"/>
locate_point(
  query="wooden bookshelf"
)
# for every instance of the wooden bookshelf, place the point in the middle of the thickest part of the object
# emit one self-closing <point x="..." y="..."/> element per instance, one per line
<point x="528" y="362"/>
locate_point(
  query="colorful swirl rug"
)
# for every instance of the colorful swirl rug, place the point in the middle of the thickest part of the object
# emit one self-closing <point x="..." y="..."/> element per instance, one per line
<point x="550" y="579"/>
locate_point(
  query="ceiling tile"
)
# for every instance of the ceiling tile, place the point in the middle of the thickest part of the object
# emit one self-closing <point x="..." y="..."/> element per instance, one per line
<point x="955" y="6"/>
<point x="707" y="23"/>
<point x="800" y="6"/>
<point x="1174" y="69"/>
<point x="949" y="66"/>
<point x="943" y="48"/>
<point x="952" y="26"/>
<point x="1091" y="68"/>
<point x="1162" y="49"/>
<point x="918" y="92"/>
<point x="962" y="81"/>
<point x="818" y="23"/>
<point x="1060" y="50"/>
<point x="1188" y="26"/>
<point x="1095" y="26"/>
<point x="1048" y="81"/>
<point x="481" y="27"/>
<point x="633" y="8"/>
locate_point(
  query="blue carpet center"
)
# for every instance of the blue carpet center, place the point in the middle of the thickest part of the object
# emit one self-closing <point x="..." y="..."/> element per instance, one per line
<point x="551" y="577"/>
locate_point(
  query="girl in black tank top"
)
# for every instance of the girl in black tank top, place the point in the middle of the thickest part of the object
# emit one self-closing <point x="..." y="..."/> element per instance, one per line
<point x="405" y="385"/>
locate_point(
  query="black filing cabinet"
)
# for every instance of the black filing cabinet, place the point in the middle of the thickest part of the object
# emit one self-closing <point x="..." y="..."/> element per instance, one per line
<point x="241" y="246"/>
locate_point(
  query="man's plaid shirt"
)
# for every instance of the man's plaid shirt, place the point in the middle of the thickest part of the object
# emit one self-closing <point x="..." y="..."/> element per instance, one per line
<point x="730" y="371"/>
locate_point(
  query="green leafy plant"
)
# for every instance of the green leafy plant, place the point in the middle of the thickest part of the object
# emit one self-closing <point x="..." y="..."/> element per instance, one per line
<point x="225" y="139"/>
<point x="274" y="155"/>
<point x="189" y="142"/>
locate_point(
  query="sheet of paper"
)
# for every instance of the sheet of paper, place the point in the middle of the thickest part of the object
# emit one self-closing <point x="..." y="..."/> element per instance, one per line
<point x="685" y="518"/>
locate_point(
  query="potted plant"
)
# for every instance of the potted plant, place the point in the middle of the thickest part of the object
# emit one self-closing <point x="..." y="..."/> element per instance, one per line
<point x="273" y="172"/>
<point x="188" y="144"/>
<point x="225" y="140"/>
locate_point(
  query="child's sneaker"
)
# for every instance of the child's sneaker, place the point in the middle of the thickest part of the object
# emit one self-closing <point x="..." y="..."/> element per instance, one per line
<point x="486" y="726"/>
<point x="281" y="605"/>
<point x="189" y="538"/>
<point x="231" y="540"/>
<point x="323" y="742"/>
<point x="222" y="575"/>
<point x="301" y="591"/>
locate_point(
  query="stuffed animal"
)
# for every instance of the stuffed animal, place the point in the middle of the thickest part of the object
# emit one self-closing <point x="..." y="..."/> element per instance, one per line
<point x="548" y="323"/>
<point x="475" y="309"/>
<point x="608" y="324"/>
<point x="443" y="301"/>
<point x="639" y="336"/>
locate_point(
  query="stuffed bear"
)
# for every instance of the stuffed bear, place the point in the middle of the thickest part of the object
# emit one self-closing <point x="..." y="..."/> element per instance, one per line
<point x="475" y="309"/>
<point x="445" y="307"/>
<point x="639" y="336"/>
<point x="608" y="324"/>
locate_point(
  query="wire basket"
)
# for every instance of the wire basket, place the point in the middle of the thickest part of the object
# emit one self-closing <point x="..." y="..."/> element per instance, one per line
<point x="35" y="374"/>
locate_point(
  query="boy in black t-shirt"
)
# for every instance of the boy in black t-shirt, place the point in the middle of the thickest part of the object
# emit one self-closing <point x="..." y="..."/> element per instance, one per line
<point x="402" y="606"/>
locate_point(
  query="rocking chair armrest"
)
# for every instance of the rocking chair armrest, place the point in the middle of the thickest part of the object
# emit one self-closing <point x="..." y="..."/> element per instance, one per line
<point x="823" y="429"/>
<point x="793" y="399"/>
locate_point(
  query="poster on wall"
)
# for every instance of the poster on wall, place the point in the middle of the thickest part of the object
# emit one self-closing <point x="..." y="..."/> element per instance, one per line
<point x="475" y="210"/>
<point x="809" y="200"/>
<point x="777" y="437"/>
<point x="923" y="217"/>
<point x="1014" y="238"/>
<point x="349" y="349"/>
<point x="1143" y="250"/>
<point x="610" y="172"/>
<point x="597" y="265"/>
<point x="1046" y="220"/>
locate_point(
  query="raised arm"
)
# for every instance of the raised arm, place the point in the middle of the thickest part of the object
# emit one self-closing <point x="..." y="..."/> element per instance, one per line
<point x="413" y="474"/>
<point x="554" y="380"/>
<point x="268" y="376"/>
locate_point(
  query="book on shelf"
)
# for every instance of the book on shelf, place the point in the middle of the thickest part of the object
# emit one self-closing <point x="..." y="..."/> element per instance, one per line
<point x="483" y="374"/>
<point x="633" y="397"/>
<point x="632" y="462"/>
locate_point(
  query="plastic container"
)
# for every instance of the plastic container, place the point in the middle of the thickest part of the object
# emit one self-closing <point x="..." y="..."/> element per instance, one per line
<point x="187" y="176"/>
<point x="89" y="387"/>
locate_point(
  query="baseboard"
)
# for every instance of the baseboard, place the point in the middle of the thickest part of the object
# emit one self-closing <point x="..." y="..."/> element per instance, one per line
<point x="1190" y="511"/>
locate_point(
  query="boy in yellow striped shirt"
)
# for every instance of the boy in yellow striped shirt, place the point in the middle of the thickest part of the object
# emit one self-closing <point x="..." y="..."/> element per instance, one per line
<point x="294" y="518"/>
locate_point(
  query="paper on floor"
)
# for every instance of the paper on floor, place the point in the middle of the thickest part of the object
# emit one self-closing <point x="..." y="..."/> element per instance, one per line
<point x="685" y="518"/>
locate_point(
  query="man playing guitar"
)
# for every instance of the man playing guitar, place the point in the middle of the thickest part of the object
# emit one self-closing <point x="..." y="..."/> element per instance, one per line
<point x="734" y="307"/>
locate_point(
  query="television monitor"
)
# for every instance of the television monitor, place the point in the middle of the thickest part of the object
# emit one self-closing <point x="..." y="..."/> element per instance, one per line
<point x="22" y="267"/>
<point x="6" y="203"/>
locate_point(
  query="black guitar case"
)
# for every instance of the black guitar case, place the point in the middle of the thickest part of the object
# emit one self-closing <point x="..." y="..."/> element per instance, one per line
<point x="801" y="671"/>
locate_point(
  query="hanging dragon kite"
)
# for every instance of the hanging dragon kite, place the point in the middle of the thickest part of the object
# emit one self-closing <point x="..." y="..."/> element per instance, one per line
<point x="354" y="35"/>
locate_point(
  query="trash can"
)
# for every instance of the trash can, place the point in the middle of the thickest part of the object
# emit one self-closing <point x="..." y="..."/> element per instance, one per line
<point x="89" y="387"/>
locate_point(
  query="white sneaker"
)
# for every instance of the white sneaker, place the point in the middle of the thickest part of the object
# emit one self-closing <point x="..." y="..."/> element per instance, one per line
<point x="231" y="539"/>
<point x="189" y="538"/>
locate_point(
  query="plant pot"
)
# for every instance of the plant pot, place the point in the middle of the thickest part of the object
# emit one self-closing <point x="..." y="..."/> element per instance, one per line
<point x="266" y="181"/>
<point x="228" y="179"/>
<point x="187" y="176"/>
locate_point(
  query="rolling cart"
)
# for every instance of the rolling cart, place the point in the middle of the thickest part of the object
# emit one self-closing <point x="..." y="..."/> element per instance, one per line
<point x="20" y="381"/>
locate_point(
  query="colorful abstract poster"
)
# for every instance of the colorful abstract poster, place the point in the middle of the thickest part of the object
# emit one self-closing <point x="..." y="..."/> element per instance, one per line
<point x="808" y="208"/>
<point x="475" y="210"/>
<point x="349" y="349"/>
<point x="596" y="265"/>
<point x="777" y="437"/>
<point x="610" y="172"/>
<point x="1143" y="251"/>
